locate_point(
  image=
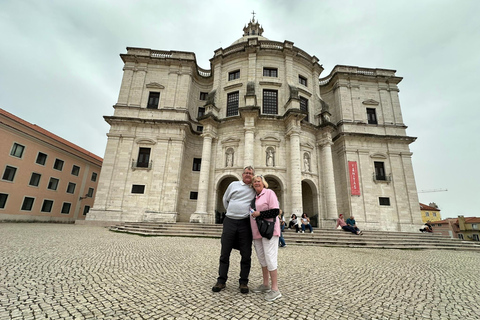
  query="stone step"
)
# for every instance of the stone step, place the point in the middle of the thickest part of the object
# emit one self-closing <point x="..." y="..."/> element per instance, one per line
<point x="320" y="237"/>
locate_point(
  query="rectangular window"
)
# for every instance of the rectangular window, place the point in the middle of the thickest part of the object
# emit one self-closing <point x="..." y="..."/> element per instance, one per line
<point x="66" y="207"/>
<point x="203" y="95"/>
<point x="71" y="187"/>
<point x="234" y="75"/>
<point x="304" y="106"/>
<point x="380" y="171"/>
<point x="9" y="173"/>
<point x="35" y="179"/>
<point x="232" y="104"/>
<point x="138" y="188"/>
<point x="302" y="80"/>
<point x="201" y="112"/>
<point x="427" y="214"/>
<point x="270" y="72"/>
<point x="17" y="150"/>
<point x="90" y="192"/>
<point x="41" y="158"/>
<point x="58" y="165"/>
<point x="475" y="237"/>
<point x="434" y="214"/>
<point x="86" y="209"/>
<point x="75" y="170"/>
<point x="200" y="128"/>
<point x="94" y="176"/>
<point x="371" y="116"/>
<point x="475" y="226"/>
<point x="193" y="195"/>
<point x="27" y="204"/>
<point x="143" y="157"/>
<point x="197" y="164"/>
<point x="3" y="200"/>
<point x="47" y="206"/>
<point x="153" y="100"/>
<point x="53" y="184"/>
<point x="270" y="101"/>
<point x="384" y="201"/>
<point x="460" y="236"/>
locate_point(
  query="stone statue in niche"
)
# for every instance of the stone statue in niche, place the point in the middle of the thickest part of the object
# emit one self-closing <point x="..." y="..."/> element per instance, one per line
<point x="229" y="158"/>
<point x="306" y="162"/>
<point x="270" y="158"/>
<point x="211" y="97"/>
<point x="251" y="88"/>
<point x="293" y="92"/>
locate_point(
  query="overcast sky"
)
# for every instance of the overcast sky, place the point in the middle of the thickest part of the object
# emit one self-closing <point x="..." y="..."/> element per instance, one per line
<point x="60" y="65"/>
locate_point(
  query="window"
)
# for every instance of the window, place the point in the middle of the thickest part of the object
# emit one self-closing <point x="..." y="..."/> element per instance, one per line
<point x="3" y="200"/>
<point x="427" y="214"/>
<point x="86" y="209"/>
<point x="35" y="179"/>
<point x="234" y="75"/>
<point x="203" y="95"/>
<point x="270" y="101"/>
<point x="302" y="80"/>
<point x="41" y="158"/>
<point x="90" y="192"/>
<point x="475" y="226"/>
<point x="71" y="187"/>
<point x="75" y="170"/>
<point x="201" y="112"/>
<point x="434" y="214"/>
<point x="197" y="164"/>
<point x="17" y="150"/>
<point x="9" y="173"/>
<point x="270" y="72"/>
<point x="475" y="237"/>
<point x="379" y="171"/>
<point x="153" y="99"/>
<point x="53" y="184"/>
<point x="193" y="195"/>
<point x="138" y="188"/>
<point x="232" y="104"/>
<point x="143" y="157"/>
<point x="58" y="165"/>
<point x="200" y="128"/>
<point x="47" y="206"/>
<point x="371" y="116"/>
<point x="304" y="106"/>
<point x="27" y="204"/>
<point x="460" y="236"/>
<point x="384" y="201"/>
<point x="94" y="176"/>
<point x="66" y="207"/>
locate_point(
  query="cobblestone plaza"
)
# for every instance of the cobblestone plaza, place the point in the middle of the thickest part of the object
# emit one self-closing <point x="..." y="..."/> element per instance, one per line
<point x="56" y="271"/>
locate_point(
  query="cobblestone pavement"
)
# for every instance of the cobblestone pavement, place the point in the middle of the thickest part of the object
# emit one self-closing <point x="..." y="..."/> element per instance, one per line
<point x="55" y="271"/>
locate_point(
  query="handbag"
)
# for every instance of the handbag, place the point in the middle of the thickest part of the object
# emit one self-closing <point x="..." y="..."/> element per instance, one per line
<point x="264" y="227"/>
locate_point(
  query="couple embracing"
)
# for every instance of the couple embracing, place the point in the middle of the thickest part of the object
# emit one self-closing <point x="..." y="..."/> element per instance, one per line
<point x="245" y="205"/>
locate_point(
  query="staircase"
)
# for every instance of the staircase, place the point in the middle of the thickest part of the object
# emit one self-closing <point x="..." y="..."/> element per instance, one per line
<point x="320" y="237"/>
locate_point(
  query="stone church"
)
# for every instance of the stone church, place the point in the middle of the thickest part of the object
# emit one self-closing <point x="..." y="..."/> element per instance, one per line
<point x="180" y="135"/>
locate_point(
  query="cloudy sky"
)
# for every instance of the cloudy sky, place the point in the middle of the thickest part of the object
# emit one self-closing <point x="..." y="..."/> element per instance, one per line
<point x="60" y="65"/>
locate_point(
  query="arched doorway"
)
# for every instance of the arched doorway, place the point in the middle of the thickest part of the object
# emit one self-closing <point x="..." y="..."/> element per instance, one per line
<point x="276" y="186"/>
<point x="222" y="187"/>
<point x="310" y="201"/>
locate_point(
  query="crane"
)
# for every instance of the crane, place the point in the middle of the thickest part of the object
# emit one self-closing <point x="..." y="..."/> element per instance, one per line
<point x="432" y="190"/>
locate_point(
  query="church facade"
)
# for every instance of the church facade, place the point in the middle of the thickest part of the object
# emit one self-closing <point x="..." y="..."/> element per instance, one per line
<point x="180" y="135"/>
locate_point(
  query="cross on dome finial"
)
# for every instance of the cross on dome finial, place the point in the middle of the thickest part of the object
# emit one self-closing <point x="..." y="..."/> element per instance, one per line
<point x="253" y="18"/>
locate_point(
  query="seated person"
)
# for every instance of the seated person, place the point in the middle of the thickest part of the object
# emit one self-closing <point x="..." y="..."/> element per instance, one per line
<point x="294" y="222"/>
<point x="427" y="228"/>
<point x="306" y="223"/>
<point x="343" y="224"/>
<point x="351" y="222"/>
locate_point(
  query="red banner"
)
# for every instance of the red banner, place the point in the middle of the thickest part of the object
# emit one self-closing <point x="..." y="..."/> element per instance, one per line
<point x="354" y="183"/>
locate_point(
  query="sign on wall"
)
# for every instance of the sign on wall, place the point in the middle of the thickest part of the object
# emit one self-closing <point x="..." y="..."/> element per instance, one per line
<point x="354" y="182"/>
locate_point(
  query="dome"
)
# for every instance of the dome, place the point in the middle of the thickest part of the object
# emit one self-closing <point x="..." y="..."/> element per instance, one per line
<point x="252" y="30"/>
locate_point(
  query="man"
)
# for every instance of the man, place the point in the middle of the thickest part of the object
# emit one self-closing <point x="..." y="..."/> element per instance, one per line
<point x="237" y="232"/>
<point x="351" y="222"/>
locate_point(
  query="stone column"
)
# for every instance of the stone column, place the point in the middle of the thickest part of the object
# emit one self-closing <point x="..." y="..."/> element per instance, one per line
<point x="200" y="215"/>
<point x="249" y="128"/>
<point x="295" y="171"/>
<point x="328" y="176"/>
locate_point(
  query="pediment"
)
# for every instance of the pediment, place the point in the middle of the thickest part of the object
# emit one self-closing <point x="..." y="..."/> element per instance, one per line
<point x="146" y="141"/>
<point x="306" y="145"/>
<point x="371" y="102"/>
<point x="378" y="155"/>
<point x="154" y="85"/>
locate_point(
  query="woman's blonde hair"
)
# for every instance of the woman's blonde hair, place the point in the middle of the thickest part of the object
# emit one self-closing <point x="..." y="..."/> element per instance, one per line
<point x="265" y="183"/>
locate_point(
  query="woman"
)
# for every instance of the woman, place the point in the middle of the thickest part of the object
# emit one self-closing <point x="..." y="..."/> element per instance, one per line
<point x="306" y="223"/>
<point x="266" y="206"/>
<point x="343" y="224"/>
<point x="294" y="223"/>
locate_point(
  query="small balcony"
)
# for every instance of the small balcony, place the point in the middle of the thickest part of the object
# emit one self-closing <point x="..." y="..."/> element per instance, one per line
<point x="378" y="178"/>
<point x="136" y="165"/>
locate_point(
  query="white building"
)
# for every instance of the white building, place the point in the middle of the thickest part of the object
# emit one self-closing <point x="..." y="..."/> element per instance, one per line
<point x="180" y="134"/>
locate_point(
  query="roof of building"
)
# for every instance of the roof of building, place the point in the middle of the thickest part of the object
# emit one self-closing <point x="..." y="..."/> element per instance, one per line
<point x="48" y="134"/>
<point x="455" y="220"/>
<point x="425" y="207"/>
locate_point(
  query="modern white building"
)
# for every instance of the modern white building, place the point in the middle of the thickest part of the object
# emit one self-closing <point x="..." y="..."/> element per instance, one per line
<point x="180" y="134"/>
